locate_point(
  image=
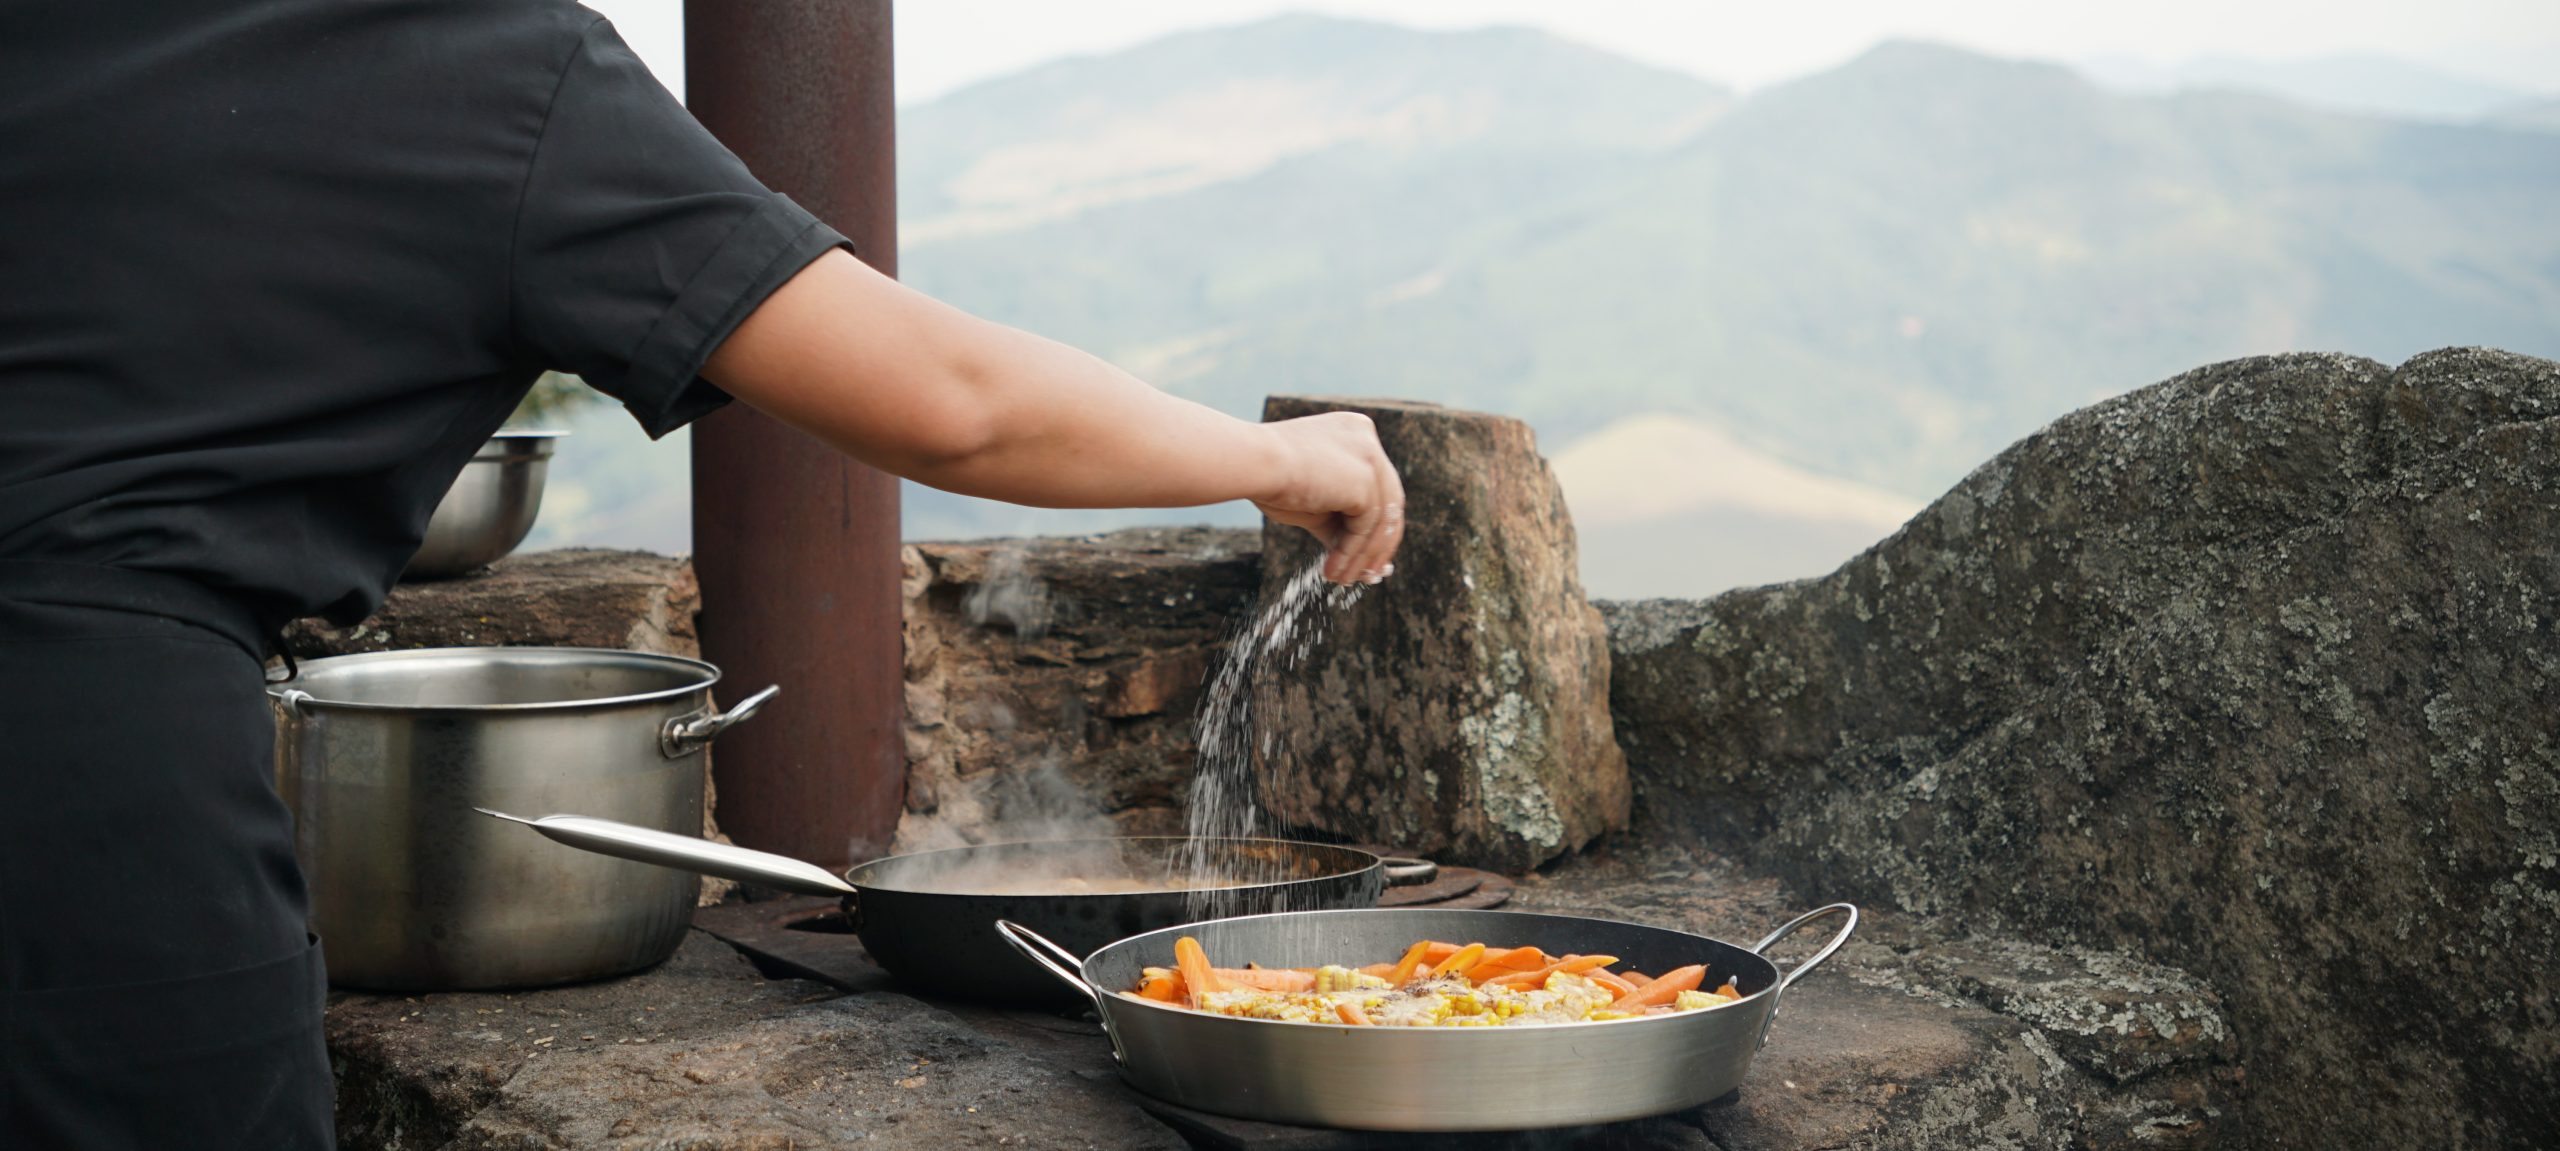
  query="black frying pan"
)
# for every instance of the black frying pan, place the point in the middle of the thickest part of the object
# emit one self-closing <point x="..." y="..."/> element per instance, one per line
<point x="929" y="917"/>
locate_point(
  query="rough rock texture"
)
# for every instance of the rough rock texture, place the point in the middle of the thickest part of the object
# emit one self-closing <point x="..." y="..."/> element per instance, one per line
<point x="1461" y="707"/>
<point x="705" y="1054"/>
<point x="2249" y="672"/>
<point x="573" y="597"/>
<point x="1051" y="683"/>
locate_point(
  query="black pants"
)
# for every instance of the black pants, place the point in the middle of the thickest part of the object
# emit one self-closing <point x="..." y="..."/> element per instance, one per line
<point x="157" y="989"/>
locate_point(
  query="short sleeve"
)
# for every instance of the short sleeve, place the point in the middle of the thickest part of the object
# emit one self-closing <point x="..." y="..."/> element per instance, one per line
<point x="641" y="242"/>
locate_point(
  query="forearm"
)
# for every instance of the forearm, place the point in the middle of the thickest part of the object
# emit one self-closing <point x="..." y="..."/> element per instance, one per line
<point x="924" y="390"/>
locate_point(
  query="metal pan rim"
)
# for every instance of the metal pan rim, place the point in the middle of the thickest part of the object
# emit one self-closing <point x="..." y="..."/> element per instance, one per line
<point x="1373" y="862"/>
<point x="1116" y="1001"/>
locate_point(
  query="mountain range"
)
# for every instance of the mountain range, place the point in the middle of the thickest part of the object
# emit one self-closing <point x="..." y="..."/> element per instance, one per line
<point x="1853" y="287"/>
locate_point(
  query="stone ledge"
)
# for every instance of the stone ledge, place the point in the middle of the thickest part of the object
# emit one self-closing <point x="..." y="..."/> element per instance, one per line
<point x="573" y="597"/>
<point x="1887" y="1047"/>
<point x="705" y="1054"/>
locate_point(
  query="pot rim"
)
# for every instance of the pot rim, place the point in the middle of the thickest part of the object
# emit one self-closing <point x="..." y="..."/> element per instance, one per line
<point x="1375" y="861"/>
<point x="296" y="691"/>
<point x="1114" y="1000"/>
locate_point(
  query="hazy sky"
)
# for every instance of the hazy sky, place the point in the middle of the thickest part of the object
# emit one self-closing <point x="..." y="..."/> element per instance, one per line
<point x="944" y="44"/>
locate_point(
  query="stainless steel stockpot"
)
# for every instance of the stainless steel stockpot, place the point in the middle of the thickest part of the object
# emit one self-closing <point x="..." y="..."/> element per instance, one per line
<point x="383" y="757"/>
<point x="1431" y="1078"/>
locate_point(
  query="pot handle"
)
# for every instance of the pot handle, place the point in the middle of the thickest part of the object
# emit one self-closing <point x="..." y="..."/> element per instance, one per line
<point x="1056" y="960"/>
<point x="687" y="734"/>
<point x="1406" y="871"/>
<point x="1789" y="928"/>
<point x="683" y="852"/>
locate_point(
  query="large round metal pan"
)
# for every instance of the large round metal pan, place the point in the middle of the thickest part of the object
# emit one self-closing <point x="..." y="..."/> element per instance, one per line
<point x="1423" y="1078"/>
<point x="919" y="916"/>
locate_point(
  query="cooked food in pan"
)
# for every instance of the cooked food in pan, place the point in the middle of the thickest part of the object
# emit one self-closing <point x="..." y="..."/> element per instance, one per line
<point x="1434" y="984"/>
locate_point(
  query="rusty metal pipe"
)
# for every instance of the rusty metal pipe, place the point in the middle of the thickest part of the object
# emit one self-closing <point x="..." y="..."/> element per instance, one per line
<point x="795" y="545"/>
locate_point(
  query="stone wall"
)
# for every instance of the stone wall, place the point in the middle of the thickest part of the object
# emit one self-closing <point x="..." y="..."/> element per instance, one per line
<point x="2249" y="672"/>
<point x="1051" y="683"/>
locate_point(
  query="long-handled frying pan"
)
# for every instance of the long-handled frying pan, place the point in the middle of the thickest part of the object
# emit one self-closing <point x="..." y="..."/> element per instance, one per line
<point x="929" y="917"/>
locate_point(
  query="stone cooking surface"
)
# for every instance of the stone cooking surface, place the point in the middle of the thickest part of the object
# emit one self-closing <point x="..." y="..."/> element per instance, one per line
<point x="1900" y="1042"/>
<point x="706" y="1054"/>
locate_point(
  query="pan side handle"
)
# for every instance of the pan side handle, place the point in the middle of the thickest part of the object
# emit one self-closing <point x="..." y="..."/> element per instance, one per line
<point x="1406" y="871"/>
<point x="1052" y="958"/>
<point x="1788" y="980"/>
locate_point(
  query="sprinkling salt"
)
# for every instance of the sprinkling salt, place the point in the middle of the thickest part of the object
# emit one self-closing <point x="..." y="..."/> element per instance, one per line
<point x="1223" y="804"/>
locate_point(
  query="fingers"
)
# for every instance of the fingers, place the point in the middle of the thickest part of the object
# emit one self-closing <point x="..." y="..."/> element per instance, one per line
<point x="1367" y="548"/>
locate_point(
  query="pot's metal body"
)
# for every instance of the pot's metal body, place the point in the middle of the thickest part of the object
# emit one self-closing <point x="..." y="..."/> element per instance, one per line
<point x="490" y="507"/>
<point x="1434" y="1079"/>
<point x="383" y="756"/>
<point x="945" y="942"/>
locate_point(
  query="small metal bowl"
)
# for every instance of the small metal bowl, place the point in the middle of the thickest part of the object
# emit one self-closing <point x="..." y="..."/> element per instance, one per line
<point x="490" y="507"/>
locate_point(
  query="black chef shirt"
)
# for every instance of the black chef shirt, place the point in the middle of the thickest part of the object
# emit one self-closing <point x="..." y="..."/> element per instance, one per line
<point x="271" y="270"/>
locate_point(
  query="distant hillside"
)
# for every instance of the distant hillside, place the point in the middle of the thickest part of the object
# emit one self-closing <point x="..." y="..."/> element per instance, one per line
<point x="2540" y="115"/>
<point x="2376" y="85"/>
<point x="1201" y="108"/>
<point x="1881" y="274"/>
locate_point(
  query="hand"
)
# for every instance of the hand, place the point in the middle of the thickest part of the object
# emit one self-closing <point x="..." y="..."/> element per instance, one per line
<point x="1338" y="484"/>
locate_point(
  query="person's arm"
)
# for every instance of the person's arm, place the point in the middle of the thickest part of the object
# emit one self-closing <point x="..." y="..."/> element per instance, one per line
<point x="913" y="386"/>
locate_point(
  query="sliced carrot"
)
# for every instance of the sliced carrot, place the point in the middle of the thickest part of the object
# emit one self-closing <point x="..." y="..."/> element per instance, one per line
<point x="1198" y="977"/>
<point x="1413" y="960"/>
<point x="1460" y="962"/>
<point x="1610" y="980"/>
<point x="1160" y="985"/>
<point x="1433" y="951"/>
<point x="1267" y="978"/>
<point x="1510" y="959"/>
<point x="1729" y="991"/>
<point x="1351" y="1013"/>
<point x="1665" y="989"/>
<point x="1637" y="978"/>
<point x="1496" y="963"/>
<point x="1570" y="965"/>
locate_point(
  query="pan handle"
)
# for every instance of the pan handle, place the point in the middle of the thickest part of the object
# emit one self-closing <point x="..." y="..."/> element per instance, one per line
<point x="1406" y="871"/>
<point x="1835" y="909"/>
<point x="1789" y="979"/>
<point x="1056" y="960"/>
<point x="683" y="852"/>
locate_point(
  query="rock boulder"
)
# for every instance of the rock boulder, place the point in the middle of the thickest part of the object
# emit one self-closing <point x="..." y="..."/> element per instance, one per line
<point x="1461" y="707"/>
<point x="2248" y="672"/>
